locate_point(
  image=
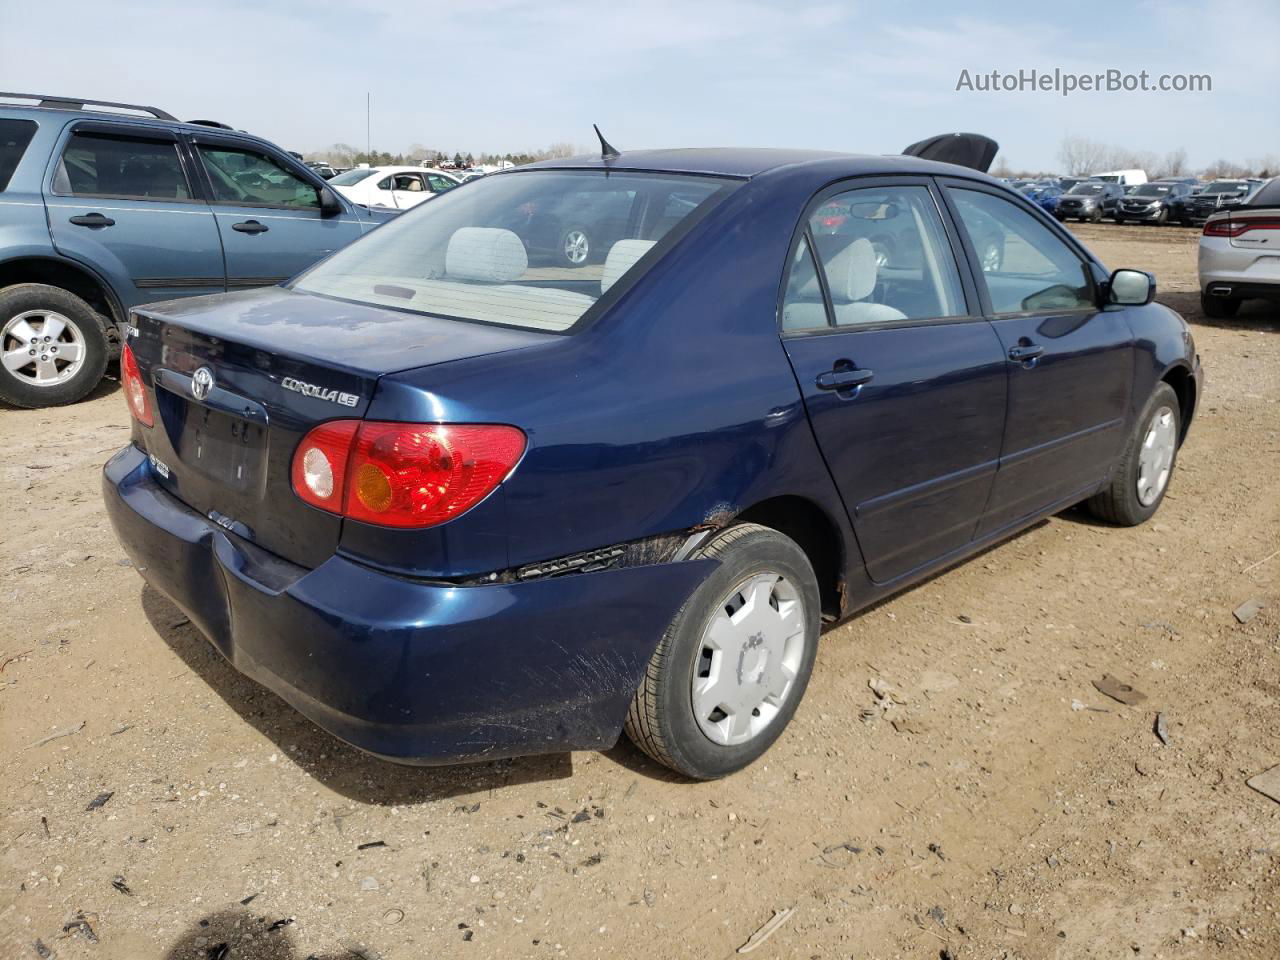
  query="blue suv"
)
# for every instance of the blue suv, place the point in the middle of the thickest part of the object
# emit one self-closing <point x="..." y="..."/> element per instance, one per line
<point x="105" y="206"/>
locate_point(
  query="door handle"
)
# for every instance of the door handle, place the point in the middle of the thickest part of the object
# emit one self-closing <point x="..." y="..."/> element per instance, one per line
<point x="843" y="379"/>
<point x="250" y="226"/>
<point x="1026" y="352"/>
<point x="93" y="220"/>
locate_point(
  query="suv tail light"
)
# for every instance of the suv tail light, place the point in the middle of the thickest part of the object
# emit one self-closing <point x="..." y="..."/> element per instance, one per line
<point x="403" y="474"/>
<point x="135" y="391"/>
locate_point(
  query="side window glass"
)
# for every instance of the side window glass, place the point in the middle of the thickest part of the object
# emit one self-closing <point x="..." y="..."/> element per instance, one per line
<point x="1025" y="266"/>
<point x="94" y="165"/>
<point x="886" y="257"/>
<point x="248" y="177"/>
<point x="440" y="184"/>
<point x="14" y="137"/>
<point x="802" y="307"/>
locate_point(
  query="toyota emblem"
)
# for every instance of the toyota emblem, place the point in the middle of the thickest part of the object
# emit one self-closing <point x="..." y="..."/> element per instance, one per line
<point x="201" y="383"/>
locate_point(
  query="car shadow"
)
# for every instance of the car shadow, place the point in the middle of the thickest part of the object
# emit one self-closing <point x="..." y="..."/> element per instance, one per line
<point x="1262" y="316"/>
<point x="241" y="934"/>
<point x="108" y="385"/>
<point x="339" y="766"/>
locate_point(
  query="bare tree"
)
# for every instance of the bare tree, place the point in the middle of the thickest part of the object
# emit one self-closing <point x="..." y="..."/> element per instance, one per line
<point x="1081" y="156"/>
<point x="1174" y="164"/>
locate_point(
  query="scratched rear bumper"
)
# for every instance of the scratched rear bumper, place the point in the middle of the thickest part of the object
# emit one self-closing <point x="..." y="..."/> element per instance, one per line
<point x="412" y="671"/>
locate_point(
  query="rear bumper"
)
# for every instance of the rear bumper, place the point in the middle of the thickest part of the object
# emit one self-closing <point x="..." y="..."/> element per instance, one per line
<point x="412" y="671"/>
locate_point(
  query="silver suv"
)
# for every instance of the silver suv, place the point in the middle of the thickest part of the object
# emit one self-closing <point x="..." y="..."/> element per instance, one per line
<point x="1240" y="254"/>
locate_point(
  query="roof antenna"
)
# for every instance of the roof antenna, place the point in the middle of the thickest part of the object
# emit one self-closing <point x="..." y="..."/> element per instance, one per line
<point x="607" y="150"/>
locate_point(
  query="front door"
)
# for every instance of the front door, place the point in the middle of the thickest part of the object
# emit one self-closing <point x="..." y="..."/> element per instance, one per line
<point x="902" y="377"/>
<point x="268" y="214"/>
<point x="120" y="199"/>
<point x="1069" y="362"/>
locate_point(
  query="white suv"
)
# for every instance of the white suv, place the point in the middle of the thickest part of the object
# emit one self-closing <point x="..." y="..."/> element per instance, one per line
<point x="1240" y="254"/>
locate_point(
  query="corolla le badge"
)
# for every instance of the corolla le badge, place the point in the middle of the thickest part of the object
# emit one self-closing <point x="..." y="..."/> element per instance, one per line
<point x="201" y="383"/>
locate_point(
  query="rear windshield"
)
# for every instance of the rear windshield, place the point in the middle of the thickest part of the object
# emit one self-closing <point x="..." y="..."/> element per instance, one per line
<point x="1268" y="196"/>
<point x="352" y="177"/>
<point x="14" y="137"/>
<point x="533" y="249"/>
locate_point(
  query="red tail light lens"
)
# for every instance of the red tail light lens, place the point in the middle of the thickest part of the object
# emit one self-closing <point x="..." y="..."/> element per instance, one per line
<point x="135" y="391"/>
<point x="403" y="474"/>
<point x="1233" y="228"/>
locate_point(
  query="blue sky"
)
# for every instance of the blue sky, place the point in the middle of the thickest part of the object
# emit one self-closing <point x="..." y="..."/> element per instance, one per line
<point x="517" y="74"/>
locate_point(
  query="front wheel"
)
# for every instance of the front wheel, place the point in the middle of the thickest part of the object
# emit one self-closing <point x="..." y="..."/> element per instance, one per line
<point x="1096" y="216"/>
<point x="53" y="346"/>
<point x="731" y="669"/>
<point x="1141" y="477"/>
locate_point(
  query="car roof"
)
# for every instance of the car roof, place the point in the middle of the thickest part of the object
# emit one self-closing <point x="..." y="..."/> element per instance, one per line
<point x="749" y="162"/>
<point x="64" y="115"/>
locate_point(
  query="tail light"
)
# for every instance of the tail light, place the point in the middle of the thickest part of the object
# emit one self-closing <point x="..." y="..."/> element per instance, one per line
<point x="1233" y="228"/>
<point x="135" y="391"/>
<point x="403" y="474"/>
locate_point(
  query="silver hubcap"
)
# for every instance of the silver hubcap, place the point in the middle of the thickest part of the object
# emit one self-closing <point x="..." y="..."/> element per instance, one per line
<point x="41" y="348"/>
<point x="1155" y="459"/>
<point x="750" y="654"/>
<point x="576" y="246"/>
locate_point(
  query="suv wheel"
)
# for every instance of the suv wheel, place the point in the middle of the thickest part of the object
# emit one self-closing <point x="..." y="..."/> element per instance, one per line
<point x="53" y="346"/>
<point x="728" y="675"/>
<point x="575" y="247"/>
<point x="1219" y="308"/>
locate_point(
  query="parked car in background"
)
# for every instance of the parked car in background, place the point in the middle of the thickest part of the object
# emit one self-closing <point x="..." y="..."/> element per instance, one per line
<point x="395" y="188"/>
<point x="1046" y="198"/>
<point x="104" y="206"/>
<point x="1125" y="178"/>
<point x="1239" y="256"/>
<point x="1197" y="207"/>
<point x="1150" y="202"/>
<point x="1066" y="183"/>
<point x="323" y="169"/>
<point x="480" y="508"/>
<point x="1091" y="200"/>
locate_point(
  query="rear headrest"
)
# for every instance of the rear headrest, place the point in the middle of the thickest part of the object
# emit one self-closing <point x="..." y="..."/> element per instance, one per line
<point x="485" y="253"/>
<point x="622" y="257"/>
<point x="852" y="272"/>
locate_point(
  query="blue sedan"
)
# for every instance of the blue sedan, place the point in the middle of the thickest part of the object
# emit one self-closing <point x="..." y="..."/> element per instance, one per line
<point x="455" y="503"/>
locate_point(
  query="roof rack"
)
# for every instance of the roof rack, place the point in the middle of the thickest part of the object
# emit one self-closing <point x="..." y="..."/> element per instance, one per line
<point x="212" y="123"/>
<point x="77" y="103"/>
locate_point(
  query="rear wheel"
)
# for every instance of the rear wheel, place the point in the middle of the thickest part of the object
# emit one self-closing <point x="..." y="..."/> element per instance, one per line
<point x="1142" y="476"/>
<point x="731" y="669"/>
<point x="1219" y="308"/>
<point x="53" y="346"/>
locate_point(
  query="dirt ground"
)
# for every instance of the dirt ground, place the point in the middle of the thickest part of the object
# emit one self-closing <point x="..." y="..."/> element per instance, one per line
<point x="1012" y="811"/>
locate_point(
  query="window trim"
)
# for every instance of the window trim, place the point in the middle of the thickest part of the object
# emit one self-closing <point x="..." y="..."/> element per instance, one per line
<point x="121" y="131"/>
<point x="959" y="254"/>
<point x="289" y="164"/>
<point x="26" y="147"/>
<point x="1089" y="266"/>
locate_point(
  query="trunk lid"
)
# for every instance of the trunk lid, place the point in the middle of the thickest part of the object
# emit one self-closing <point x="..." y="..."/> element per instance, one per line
<point x="238" y="380"/>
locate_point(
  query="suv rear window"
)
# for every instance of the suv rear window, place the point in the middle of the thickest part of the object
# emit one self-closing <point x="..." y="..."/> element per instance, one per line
<point x="14" y="137"/>
<point x="534" y="249"/>
<point x="94" y="165"/>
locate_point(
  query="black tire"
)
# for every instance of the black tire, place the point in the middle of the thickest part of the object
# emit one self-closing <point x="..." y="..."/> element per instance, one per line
<point x="1162" y="218"/>
<point x="38" y="297"/>
<point x="1096" y="216"/>
<point x="1219" y="308"/>
<point x="1119" y="503"/>
<point x="661" y="720"/>
<point x="1120" y="222"/>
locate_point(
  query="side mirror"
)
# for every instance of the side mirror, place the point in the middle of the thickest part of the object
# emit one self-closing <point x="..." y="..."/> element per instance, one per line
<point x="1131" y="288"/>
<point x="330" y="205"/>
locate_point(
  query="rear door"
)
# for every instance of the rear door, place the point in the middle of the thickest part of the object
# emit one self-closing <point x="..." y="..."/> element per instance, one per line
<point x="1069" y="363"/>
<point x="122" y="198"/>
<point x="902" y="377"/>
<point x="267" y="209"/>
